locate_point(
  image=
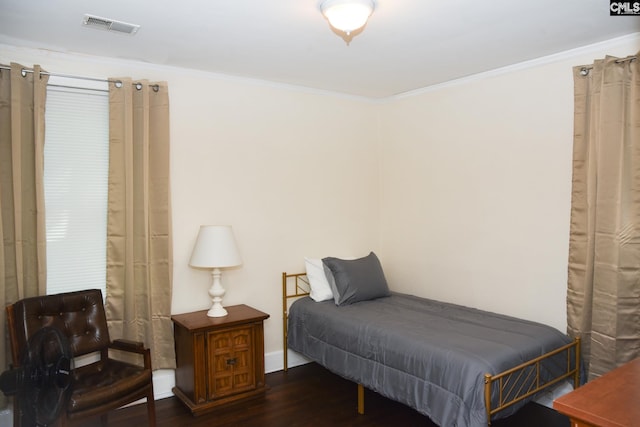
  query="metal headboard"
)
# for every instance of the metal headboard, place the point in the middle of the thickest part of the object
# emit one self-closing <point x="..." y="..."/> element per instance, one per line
<point x="293" y="286"/>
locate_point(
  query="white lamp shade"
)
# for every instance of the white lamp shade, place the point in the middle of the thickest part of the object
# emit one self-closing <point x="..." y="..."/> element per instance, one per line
<point x="347" y="15"/>
<point x="215" y="248"/>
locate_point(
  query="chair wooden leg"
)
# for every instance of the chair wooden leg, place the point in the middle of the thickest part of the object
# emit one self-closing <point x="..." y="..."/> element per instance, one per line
<point x="16" y="412"/>
<point x="63" y="421"/>
<point x="151" y="409"/>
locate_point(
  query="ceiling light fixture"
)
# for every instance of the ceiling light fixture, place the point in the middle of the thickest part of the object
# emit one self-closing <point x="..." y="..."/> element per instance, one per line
<point x="347" y="16"/>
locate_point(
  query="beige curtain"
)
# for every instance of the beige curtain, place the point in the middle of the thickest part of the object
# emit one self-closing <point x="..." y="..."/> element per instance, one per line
<point x="603" y="298"/>
<point x="139" y="251"/>
<point x="22" y="232"/>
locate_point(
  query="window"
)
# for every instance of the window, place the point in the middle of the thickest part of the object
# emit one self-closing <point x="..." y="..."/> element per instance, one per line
<point x="76" y="167"/>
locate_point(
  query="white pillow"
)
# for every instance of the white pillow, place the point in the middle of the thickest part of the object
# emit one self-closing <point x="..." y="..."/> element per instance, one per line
<point x="320" y="288"/>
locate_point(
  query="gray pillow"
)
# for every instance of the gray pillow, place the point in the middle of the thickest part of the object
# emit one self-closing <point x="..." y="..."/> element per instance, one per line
<point x="355" y="280"/>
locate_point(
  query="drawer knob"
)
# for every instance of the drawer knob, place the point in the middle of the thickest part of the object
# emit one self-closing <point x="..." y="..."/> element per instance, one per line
<point x="232" y="361"/>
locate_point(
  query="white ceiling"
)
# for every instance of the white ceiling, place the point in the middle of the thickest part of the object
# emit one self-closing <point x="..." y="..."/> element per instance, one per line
<point x="407" y="45"/>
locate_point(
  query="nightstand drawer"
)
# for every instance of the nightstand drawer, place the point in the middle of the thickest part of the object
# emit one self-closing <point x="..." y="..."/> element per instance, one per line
<point x="231" y="357"/>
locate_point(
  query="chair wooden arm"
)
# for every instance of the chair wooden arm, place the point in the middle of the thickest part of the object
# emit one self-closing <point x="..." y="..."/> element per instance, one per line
<point x="132" y="347"/>
<point x="128" y="345"/>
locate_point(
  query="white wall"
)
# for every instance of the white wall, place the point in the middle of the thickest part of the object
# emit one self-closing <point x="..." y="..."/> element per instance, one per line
<point x="295" y="174"/>
<point x="476" y="187"/>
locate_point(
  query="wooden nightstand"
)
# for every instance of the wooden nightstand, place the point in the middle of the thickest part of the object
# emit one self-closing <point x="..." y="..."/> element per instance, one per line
<point x="219" y="360"/>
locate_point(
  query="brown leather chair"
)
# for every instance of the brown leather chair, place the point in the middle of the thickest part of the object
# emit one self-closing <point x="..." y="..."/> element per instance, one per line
<point x="100" y="386"/>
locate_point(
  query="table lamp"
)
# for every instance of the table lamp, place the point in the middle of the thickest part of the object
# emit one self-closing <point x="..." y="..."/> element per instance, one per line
<point x="215" y="248"/>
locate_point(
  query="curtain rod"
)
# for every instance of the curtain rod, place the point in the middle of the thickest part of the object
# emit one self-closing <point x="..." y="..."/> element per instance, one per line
<point x="628" y="58"/>
<point x="584" y="71"/>
<point x="117" y="83"/>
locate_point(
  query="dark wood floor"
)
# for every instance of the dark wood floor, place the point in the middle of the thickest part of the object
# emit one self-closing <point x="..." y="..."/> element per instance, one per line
<point x="310" y="395"/>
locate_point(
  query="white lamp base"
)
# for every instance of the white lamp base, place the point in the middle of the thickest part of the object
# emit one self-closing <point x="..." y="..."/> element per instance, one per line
<point x="216" y="292"/>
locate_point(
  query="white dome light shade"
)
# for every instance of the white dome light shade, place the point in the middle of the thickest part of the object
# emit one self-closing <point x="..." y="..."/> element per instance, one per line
<point x="347" y="15"/>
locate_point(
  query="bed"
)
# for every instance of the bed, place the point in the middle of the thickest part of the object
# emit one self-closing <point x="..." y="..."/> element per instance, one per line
<point x="457" y="365"/>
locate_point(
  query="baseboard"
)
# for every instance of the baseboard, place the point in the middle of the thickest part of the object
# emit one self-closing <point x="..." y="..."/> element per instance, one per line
<point x="274" y="361"/>
<point x="547" y="396"/>
<point x="163" y="381"/>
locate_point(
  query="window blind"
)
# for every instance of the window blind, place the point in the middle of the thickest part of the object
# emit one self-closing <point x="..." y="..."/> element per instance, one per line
<point x="76" y="167"/>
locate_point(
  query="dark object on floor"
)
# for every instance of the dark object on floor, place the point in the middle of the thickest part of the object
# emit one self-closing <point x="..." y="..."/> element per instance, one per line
<point x="43" y="378"/>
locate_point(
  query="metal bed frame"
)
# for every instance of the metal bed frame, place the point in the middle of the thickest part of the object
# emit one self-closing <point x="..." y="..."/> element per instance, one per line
<point x="513" y="385"/>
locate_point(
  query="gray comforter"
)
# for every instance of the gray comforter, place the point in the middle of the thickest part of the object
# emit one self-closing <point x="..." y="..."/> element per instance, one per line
<point x="426" y="354"/>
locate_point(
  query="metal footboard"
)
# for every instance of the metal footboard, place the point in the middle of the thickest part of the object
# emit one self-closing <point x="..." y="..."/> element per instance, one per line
<point x="526" y="379"/>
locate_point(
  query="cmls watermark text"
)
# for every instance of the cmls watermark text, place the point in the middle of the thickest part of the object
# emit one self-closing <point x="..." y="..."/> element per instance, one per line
<point x="624" y="8"/>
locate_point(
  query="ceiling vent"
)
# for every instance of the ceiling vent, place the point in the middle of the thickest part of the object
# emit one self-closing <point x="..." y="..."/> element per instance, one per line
<point x="110" y="24"/>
